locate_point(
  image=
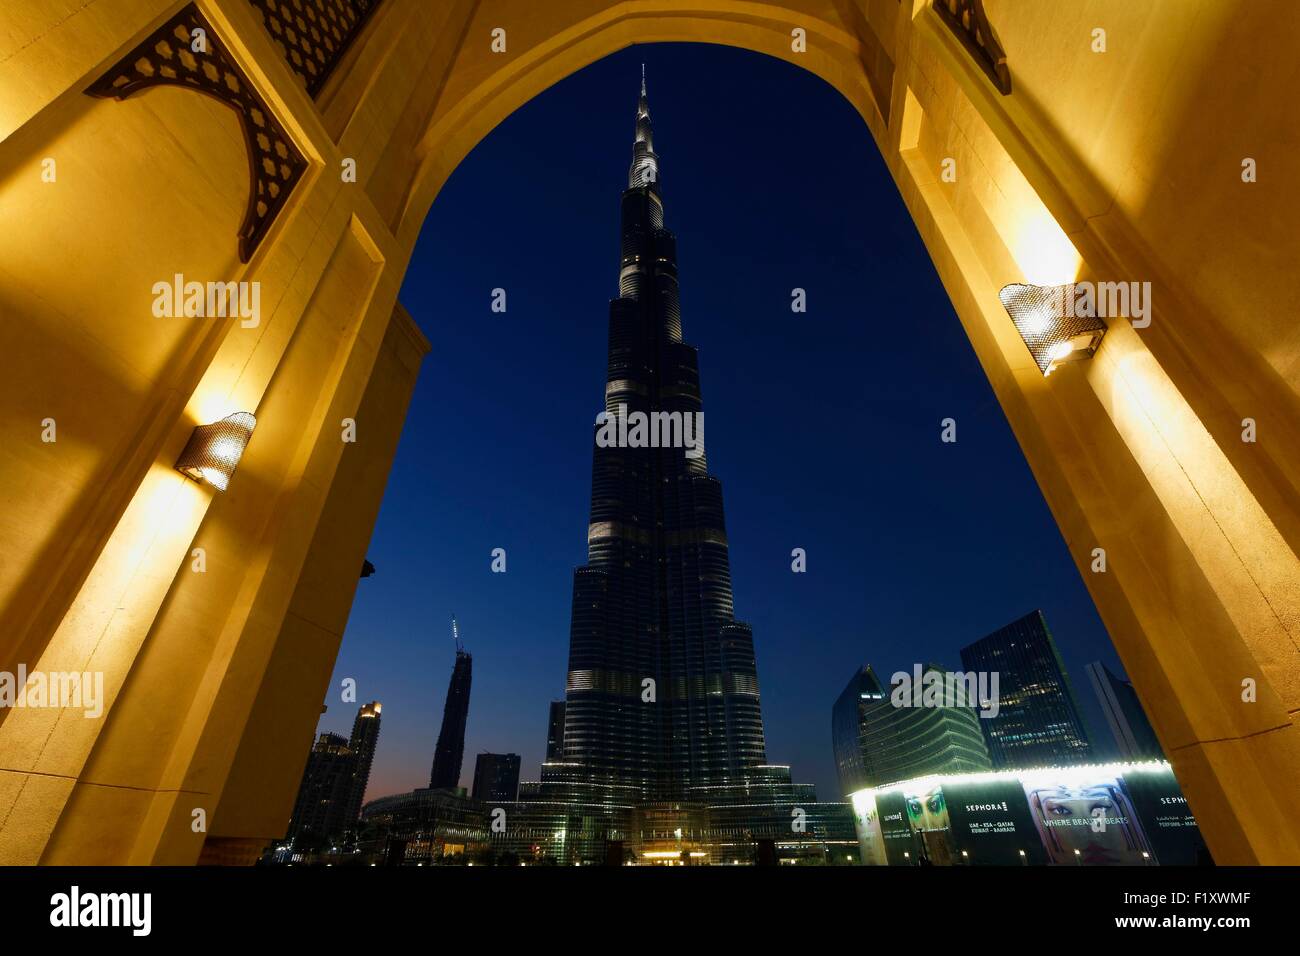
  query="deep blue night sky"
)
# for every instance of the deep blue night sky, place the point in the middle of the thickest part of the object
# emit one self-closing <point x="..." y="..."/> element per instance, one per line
<point x="823" y="427"/>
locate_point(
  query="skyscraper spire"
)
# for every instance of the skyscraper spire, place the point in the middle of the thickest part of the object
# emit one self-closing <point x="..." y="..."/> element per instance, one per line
<point x="645" y="162"/>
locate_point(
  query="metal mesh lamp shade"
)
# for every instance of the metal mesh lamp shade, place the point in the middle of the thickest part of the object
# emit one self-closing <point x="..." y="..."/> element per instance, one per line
<point x="214" y="450"/>
<point x="1045" y="318"/>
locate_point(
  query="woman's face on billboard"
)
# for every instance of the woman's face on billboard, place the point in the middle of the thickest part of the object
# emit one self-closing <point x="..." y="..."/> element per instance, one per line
<point x="928" y="810"/>
<point x="1088" y="819"/>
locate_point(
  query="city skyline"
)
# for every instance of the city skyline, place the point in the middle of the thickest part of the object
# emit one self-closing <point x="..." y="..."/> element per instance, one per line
<point x="521" y="635"/>
<point x="310" y="312"/>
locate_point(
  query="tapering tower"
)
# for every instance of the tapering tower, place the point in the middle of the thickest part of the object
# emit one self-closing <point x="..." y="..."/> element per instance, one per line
<point x="450" y="751"/>
<point x="662" y="698"/>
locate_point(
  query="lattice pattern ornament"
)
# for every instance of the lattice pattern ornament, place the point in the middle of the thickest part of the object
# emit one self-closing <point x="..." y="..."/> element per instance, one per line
<point x="185" y="51"/>
<point x="968" y="21"/>
<point x="313" y="35"/>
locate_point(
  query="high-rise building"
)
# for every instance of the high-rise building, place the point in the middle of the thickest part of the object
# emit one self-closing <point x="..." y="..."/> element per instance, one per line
<point x="364" y="739"/>
<point x="324" y="796"/>
<point x="450" y="751"/>
<point x="877" y="742"/>
<point x="496" y="777"/>
<point x="334" y="781"/>
<point x="662" y="693"/>
<point x="1135" y="738"/>
<point x="1038" y="722"/>
<point x="555" y="731"/>
<point x="662" y="700"/>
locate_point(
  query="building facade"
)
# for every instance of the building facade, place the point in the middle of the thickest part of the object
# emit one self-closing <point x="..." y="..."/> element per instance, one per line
<point x="1038" y="722"/>
<point x="770" y="821"/>
<point x="334" y="783"/>
<point x="364" y="740"/>
<point x="425" y="826"/>
<point x="496" y="778"/>
<point x="320" y="811"/>
<point x="876" y="742"/>
<point x="555" y="731"/>
<point x="1135" y="738"/>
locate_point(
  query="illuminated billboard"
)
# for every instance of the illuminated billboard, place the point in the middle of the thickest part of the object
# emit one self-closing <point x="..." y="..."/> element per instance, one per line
<point x="1085" y="817"/>
<point x="1099" y="815"/>
<point x="991" y="823"/>
<point x="895" y="830"/>
<point x="1166" y="819"/>
<point x="871" y="838"/>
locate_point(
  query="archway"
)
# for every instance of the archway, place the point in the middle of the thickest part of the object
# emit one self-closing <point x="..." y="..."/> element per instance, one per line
<point x="1139" y="452"/>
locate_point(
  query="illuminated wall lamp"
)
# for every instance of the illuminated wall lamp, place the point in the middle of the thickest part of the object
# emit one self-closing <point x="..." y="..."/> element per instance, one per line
<point x="1046" y="320"/>
<point x="214" y="450"/>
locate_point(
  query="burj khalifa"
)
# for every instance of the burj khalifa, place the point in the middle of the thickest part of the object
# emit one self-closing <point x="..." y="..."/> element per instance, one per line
<point x="661" y="714"/>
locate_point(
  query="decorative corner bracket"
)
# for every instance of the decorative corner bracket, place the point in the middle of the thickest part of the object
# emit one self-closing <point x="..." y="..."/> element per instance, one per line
<point x="968" y="22"/>
<point x="186" y="52"/>
<point x="313" y="35"/>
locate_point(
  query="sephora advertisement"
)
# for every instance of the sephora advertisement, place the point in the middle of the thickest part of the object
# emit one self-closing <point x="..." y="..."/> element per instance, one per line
<point x="1166" y="819"/>
<point x="927" y="816"/>
<point x="1113" y="815"/>
<point x="926" y="808"/>
<point x="867" y="820"/>
<point x="1085" y="818"/>
<point x="991" y="823"/>
<point x="895" y="830"/>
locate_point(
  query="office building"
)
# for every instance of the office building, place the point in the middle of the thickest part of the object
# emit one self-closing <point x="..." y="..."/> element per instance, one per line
<point x="496" y="778"/>
<point x="876" y="742"/>
<point x="1038" y="722"/>
<point x="1135" y="738"/>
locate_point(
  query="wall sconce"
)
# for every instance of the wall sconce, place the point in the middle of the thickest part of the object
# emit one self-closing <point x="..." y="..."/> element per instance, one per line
<point x="214" y="450"/>
<point x="1045" y="318"/>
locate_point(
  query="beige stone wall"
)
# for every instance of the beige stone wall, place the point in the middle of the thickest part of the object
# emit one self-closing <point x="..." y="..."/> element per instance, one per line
<point x="98" y="571"/>
<point x="1122" y="165"/>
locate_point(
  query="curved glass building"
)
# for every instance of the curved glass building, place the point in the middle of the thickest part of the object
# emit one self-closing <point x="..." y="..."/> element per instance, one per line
<point x="878" y="743"/>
